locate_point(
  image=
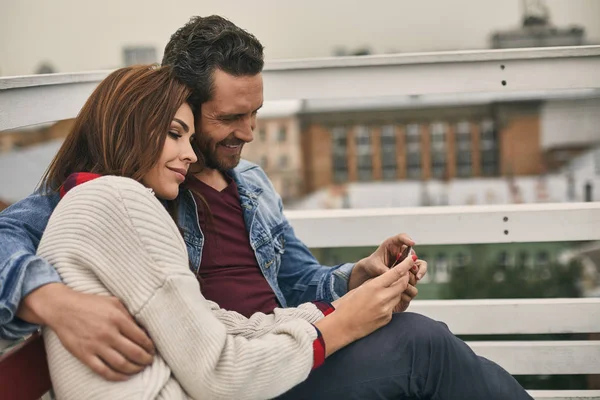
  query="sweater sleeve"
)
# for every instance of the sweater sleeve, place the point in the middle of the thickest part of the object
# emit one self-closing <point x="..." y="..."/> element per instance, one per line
<point x="115" y="228"/>
<point x="259" y="324"/>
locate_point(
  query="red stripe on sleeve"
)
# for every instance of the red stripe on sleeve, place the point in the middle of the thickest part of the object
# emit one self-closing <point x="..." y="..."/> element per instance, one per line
<point x="318" y="350"/>
<point x="325" y="307"/>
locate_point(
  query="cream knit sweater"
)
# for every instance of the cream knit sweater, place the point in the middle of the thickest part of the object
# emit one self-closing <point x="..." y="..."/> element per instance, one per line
<point x="111" y="236"/>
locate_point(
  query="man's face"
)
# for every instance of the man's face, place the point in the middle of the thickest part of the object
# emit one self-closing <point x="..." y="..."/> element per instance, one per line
<point x="228" y="119"/>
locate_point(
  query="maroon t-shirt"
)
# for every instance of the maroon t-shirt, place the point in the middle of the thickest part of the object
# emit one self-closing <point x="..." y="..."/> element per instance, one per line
<point x="229" y="272"/>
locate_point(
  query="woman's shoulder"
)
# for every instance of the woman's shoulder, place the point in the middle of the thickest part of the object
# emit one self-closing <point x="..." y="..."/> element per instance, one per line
<point x="110" y="188"/>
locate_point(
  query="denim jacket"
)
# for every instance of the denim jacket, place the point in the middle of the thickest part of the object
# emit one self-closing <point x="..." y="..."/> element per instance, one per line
<point x="292" y="271"/>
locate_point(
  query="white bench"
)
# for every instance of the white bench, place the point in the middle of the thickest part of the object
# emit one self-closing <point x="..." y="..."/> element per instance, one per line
<point x="531" y="316"/>
<point x="60" y="96"/>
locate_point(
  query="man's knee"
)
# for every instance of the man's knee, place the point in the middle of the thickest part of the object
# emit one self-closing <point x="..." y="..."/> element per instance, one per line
<point x="419" y="323"/>
<point x="420" y="329"/>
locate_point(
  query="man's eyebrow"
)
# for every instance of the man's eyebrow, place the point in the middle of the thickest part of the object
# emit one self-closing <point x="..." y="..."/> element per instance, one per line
<point x="183" y="124"/>
<point x="235" y="115"/>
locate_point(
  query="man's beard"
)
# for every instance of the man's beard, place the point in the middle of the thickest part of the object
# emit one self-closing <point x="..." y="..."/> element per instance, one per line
<point x="211" y="159"/>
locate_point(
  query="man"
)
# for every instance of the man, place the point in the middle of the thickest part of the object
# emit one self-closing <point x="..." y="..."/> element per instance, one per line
<point x="224" y="70"/>
<point x="245" y="254"/>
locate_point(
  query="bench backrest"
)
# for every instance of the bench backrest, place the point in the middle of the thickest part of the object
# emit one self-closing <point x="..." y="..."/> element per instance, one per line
<point x="528" y="317"/>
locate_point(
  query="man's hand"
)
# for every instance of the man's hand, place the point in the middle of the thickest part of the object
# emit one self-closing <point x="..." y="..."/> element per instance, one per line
<point x="97" y="330"/>
<point x="363" y="310"/>
<point x="380" y="261"/>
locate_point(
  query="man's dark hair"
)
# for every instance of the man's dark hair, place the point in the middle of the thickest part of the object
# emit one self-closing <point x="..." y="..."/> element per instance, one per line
<point x="205" y="44"/>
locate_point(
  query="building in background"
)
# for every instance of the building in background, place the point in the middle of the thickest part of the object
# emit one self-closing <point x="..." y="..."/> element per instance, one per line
<point x="537" y="30"/>
<point x="277" y="147"/>
<point x="500" y="140"/>
<point x="366" y="143"/>
<point x="134" y="55"/>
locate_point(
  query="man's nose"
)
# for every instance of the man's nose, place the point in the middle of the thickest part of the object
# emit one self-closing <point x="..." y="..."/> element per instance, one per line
<point x="246" y="128"/>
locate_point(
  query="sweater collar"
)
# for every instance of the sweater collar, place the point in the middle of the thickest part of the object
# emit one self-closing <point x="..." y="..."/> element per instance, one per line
<point x="76" y="179"/>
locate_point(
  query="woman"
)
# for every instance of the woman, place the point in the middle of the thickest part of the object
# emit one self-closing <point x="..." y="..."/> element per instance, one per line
<point x="127" y="154"/>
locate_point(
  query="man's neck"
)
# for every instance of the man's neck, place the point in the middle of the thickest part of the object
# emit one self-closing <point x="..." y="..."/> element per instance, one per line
<point x="213" y="178"/>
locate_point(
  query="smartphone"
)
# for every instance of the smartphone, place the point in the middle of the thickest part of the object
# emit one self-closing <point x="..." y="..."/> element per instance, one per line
<point x="402" y="256"/>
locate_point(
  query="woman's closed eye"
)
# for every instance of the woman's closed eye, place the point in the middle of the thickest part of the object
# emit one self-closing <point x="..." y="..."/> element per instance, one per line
<point x="174" y="135"/>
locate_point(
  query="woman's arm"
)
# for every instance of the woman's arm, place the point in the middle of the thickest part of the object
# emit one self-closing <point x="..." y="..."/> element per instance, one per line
<point x="258" y="324"/>
<point x="113" y="230"/>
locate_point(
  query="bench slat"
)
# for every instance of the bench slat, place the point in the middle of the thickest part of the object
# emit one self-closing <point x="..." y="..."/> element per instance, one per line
<point x="514" y="316"/>
<point x="565" y="394"/>
<point x="543" y="357"/>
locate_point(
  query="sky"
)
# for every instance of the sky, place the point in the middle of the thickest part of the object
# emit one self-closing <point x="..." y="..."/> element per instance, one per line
<point x="75" y="35"/>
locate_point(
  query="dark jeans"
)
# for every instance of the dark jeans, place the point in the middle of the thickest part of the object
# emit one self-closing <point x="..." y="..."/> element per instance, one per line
<point x="413" y="357"/>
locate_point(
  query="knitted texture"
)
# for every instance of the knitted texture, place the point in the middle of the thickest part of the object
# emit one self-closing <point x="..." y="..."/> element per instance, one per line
<point x="111" y="236"/>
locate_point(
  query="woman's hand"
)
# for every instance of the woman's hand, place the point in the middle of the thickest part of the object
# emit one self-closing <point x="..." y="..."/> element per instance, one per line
<point x="366" y="308"/>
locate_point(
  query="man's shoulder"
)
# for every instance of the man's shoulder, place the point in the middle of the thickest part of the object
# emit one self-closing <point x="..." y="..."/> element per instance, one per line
<point x="40" y="200"/>
<point x="252" y="173"/>
<point x="245" y="166"/>
<point x="252" y="177"/>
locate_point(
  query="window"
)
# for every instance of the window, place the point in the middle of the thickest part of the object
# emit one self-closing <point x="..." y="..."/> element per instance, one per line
<point x="282" y="134"/>
<point x="363" y="153"/>
<point x="139" y="55"/>
<point x="413" y="151"/>
<point x="438" y="150"/>
<point x="262" y="134"/>
<point x="283" y="161"/>
<point x="340" y="154"/>
<point x="388" y="152"/>
<point x="489" y="149"/>
<point x="464" y="167"/>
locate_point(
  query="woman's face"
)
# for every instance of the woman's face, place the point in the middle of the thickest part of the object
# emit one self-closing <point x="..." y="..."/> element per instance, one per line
<point x="177" y="155"/>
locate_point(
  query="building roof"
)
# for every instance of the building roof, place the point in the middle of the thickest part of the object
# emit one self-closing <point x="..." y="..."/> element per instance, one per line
<point x="281" y="108"/>
<point x="442" y="100"/>
<point x="288" y="108"/>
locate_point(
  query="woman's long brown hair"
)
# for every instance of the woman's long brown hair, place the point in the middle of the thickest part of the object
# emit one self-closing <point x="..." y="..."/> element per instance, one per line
<point x="122" y="127"/>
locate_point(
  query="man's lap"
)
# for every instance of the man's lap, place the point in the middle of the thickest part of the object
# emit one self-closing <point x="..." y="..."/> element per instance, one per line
<point x="413" y="357"/>
<point x="378" y="366"/>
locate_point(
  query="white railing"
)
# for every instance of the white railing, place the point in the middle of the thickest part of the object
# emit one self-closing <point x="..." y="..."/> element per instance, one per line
<point x="37" y="99"/>
<point x="60" y="96"/>
<point x="449" y="224"/>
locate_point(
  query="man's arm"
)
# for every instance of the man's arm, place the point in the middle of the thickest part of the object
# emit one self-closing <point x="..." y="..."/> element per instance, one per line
<point x="302" y="278"/>
<point x="21" y="270"/>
